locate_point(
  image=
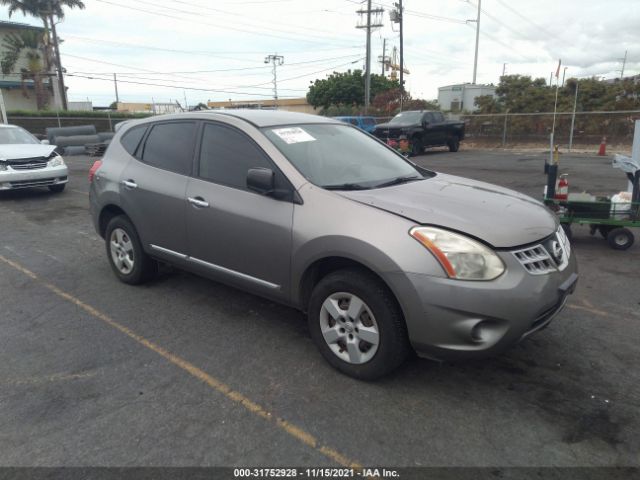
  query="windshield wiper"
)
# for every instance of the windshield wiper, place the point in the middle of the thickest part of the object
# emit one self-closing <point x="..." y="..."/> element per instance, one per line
<point x="345" y="186"/>
<point x="399" y="180"/>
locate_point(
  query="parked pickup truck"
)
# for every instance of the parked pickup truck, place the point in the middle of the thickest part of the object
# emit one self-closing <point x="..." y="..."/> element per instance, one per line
<point x="422" y="129"/>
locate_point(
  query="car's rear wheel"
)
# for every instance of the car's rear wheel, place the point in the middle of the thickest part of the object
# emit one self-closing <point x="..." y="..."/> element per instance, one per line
<point x="454" y="144"/>
<point x="357" y="324"/>
<point x="126" y="256"/>
<point x="416" y="147"/>
<point x="57" y="188"/>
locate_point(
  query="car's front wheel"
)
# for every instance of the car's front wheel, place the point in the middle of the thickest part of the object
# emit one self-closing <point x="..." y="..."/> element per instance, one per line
<point x="357" y="324"/>
<point x="126" y="256"/>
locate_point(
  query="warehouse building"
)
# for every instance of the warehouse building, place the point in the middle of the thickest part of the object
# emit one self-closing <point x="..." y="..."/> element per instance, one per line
<point x="462" y="97"/>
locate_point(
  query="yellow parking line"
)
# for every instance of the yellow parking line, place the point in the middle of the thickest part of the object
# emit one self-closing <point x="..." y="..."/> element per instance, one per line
<point x="57" y="377"/>
<point x="237" y="397"/>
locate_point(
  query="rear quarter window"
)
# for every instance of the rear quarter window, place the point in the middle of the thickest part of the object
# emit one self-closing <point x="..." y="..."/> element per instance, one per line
<point x="131" y="139"/>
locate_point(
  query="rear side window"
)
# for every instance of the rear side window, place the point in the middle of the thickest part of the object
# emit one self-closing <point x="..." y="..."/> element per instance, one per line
<point x="170" y="146"/>
<point x="353" y="121"/>
<point x="368" y="121"/>
<point x="227" y="154"/>
<point x="437" y="117"/>
<point x="131" y="139"/>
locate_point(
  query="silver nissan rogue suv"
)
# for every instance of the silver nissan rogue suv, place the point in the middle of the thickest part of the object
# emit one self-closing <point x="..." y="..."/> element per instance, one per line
<point x="384" y="256"/>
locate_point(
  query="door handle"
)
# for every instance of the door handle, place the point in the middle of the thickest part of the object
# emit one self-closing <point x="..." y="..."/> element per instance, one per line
<point x="130" y="184"/>
<point x="198" y="202"/>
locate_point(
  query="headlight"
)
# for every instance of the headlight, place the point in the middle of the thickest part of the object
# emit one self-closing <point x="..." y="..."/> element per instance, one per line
<point x="461" y="258"/>
<point x="56" y="161"/>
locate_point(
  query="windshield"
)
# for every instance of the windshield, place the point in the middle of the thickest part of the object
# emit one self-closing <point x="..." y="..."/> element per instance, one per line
<point x="341" y="157"/>
<point x="15" y="135"/>
<point x="407" y="117"/>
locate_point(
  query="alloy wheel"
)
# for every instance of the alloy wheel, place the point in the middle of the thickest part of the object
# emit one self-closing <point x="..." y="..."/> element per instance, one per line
<point x="121" y="249"/>
<point x="349" y="328"/>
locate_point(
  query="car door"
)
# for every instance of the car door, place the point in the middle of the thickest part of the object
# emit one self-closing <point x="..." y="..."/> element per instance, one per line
<point x="439" y="128"/>
<point x="237" y="235"/>
<point x="153" y="186"/>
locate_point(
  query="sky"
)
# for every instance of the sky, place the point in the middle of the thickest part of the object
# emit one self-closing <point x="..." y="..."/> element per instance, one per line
<point x="198" y="50"/>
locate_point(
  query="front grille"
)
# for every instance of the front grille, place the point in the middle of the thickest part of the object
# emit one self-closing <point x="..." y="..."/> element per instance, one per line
<point x="551" y="255"/>
<point x="41" y="182"/>
<point x="535" y="260"/>
<point x="28" y="166"/>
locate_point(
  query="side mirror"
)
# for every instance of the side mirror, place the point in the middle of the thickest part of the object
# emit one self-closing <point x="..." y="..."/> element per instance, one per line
<point x="44" y="142"/>
<point x="425" y="124"/>
<point x="261" y="180"/>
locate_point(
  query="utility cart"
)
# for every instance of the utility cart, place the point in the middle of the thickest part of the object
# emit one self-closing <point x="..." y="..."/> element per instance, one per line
<point x="611" y="217"/>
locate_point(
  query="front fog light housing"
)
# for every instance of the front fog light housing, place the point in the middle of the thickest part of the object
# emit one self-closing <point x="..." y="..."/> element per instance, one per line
<point x="56" y="161"/>
<point x="461" y="257"/>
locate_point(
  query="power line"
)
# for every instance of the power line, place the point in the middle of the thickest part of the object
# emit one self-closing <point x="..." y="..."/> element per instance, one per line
<point x="169" y="86"/>
<point x="197" y="52"/>
<point x="319" y="60"/>
<point x="226" y="12"/>
<point x="224" y="27"/>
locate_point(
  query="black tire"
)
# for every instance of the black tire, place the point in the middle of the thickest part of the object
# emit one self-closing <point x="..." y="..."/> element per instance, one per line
<point x="57" y="188"/>
<point x="144" y="267"/>
<point x="620" y="238"/>
<point x="454" y="144"/>
<point x="416" y="147"/>
<point x="393" y="345"/>
<point x="567" y="231"/>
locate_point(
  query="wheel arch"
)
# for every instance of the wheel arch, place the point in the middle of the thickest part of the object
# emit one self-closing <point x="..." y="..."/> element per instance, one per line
<point x="322" y="267"/>
<point x="106" y="214"/>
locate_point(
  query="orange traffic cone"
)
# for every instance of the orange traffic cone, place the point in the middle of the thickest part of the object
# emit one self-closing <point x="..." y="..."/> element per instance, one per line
<point x="603" y="147"/>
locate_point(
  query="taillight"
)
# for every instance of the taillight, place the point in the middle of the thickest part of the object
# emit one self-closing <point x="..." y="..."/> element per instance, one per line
<point x="92" y="171"/>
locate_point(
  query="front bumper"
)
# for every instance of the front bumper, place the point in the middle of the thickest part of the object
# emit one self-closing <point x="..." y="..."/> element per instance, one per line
<point x="451" y="319"/>
<point x="42" y="177"/>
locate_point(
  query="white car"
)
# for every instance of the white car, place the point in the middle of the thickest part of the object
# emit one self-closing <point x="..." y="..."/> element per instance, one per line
<point x="25" y="162"/>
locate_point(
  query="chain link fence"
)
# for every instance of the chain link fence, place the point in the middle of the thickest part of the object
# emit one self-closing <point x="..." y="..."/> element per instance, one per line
<point x="582" y="130"/>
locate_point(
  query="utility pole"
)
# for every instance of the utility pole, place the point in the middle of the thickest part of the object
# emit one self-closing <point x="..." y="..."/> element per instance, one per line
<point x="624" y="63"/>
<point x="56" y="46"/>
<point x="573" y="117"/>
<point x="384" y="54"/>
<point x="475" y="58"/>
<point x="504" y="68"/>
<point x="563" y="74"/>
<point x="277" y="60"/>
<point x="368" y="26"/>
<point x="398" y="17"/>
<point x="401" y="19"/>
<point x="115" y="84"/>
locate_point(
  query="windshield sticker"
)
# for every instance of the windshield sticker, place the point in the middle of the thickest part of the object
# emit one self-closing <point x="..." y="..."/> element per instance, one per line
<point x="293" y="135"/>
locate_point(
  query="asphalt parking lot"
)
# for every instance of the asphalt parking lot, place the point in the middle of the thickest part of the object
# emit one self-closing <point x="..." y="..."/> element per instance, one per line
<point x="185" y="371"/>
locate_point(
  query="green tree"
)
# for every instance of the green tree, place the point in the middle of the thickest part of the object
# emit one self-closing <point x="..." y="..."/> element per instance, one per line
<point x="346" y="88"/>
<point x="388" y="102"/>
<point x="30" y="43"/>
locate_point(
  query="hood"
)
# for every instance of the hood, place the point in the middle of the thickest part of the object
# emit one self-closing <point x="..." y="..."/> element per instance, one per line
<point x="499" y="216"/>
<point x="25" y="150"/>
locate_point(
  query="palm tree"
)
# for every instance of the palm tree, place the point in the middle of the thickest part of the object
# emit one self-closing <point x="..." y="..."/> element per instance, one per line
<point x="31" y="42"/>
<point x="46" y="10"/>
